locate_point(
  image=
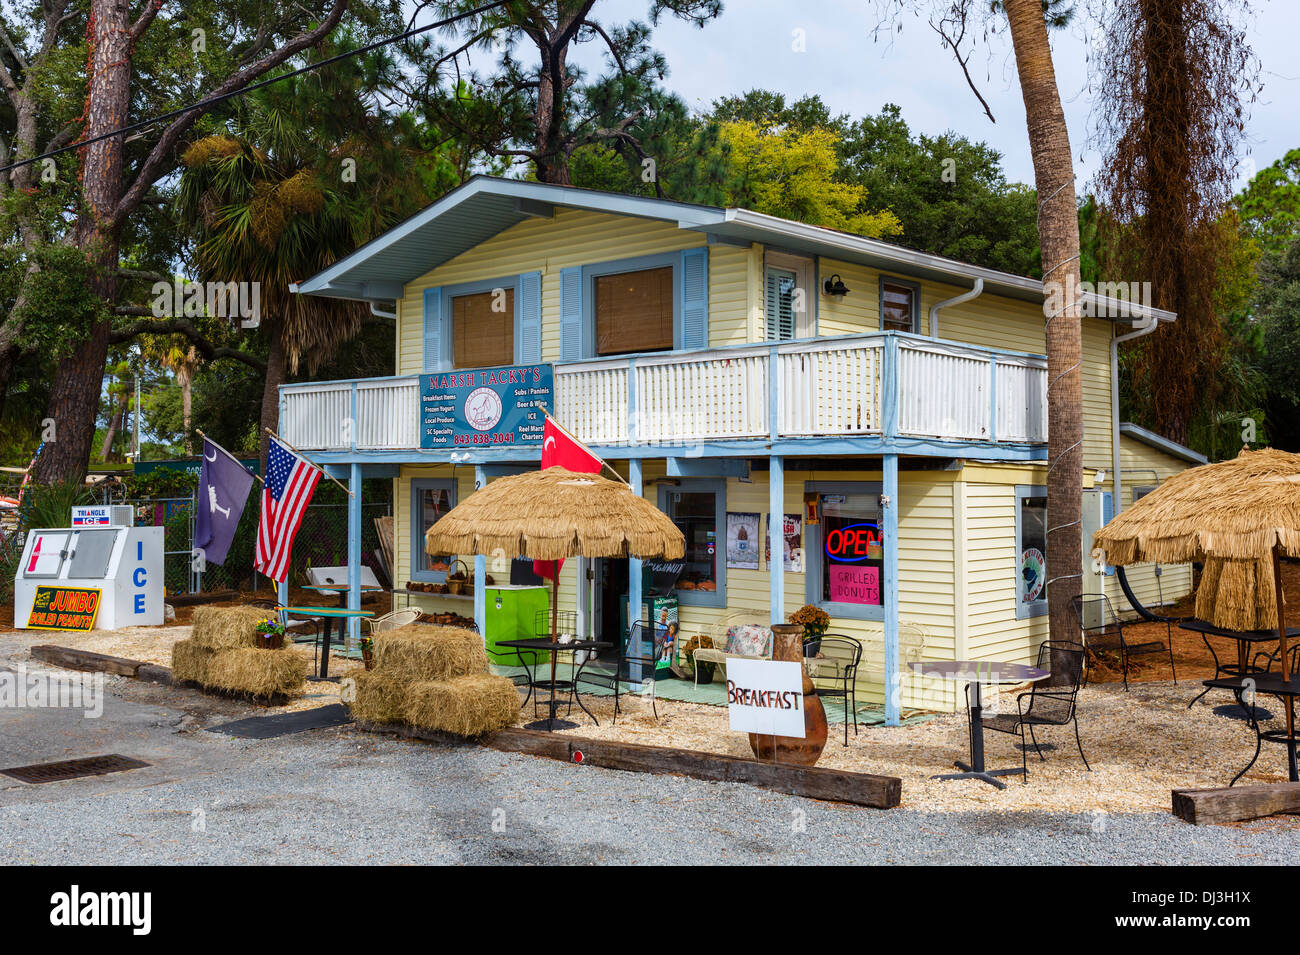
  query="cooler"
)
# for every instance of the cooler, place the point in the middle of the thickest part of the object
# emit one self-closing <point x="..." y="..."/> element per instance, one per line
<point x="510" y="615"/>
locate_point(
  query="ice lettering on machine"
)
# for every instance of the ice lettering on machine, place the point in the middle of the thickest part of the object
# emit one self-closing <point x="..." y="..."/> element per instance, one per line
<point x="139" y="577"/>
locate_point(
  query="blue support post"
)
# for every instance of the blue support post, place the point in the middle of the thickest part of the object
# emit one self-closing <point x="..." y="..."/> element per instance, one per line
<point x="354" y="551"/>
<point x="775" y="526"/>
<point x="634" y="595"/>
<point x="889" y="522"/>
<point x="480" y="572"/>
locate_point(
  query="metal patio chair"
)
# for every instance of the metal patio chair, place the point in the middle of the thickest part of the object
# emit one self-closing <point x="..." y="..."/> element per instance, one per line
<point x="1103" y="630"/>
<point x="632" y="666"/>
<point x="835" y="661"/>
<point x="1046" y="705"/>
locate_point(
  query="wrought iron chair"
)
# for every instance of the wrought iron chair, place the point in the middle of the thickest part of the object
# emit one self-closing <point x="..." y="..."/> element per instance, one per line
<point x="1046" y="705"/>
<point x="835" y="660"/>
<point x="1103" y="630"/>
<point x="633" y="666"/>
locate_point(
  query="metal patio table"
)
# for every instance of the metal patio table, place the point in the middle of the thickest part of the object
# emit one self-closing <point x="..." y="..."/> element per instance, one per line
<point x="1273" y="685"/>
<point x="977" y="673"/>
<point x="571" y="685"/>
<point x="326" y="615"/>
<point x="1246" y="641"/>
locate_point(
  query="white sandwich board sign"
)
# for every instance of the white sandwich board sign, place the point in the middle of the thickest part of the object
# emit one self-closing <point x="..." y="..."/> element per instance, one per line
<point x="765" y="696"/>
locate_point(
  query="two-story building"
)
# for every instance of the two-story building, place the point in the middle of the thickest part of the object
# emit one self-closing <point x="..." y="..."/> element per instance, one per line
<point x="887" y="405"/>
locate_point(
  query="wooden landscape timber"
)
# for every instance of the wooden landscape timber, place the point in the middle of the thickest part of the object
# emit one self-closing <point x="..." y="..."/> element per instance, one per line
<point x="833" y="785"/>
<point x="1203" y="807"/>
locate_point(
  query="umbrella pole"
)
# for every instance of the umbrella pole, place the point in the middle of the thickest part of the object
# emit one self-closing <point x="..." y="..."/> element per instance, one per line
<point x="1286" y="665"/>
<point x="555" y="635"/>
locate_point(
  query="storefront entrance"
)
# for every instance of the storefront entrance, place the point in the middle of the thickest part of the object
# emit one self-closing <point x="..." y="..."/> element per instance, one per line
<point x="609" y="587"/>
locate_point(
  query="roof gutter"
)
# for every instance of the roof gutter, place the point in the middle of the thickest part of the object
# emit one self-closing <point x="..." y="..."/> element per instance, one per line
<point x="974" y="293"/>
<point x="1117" y="485"/>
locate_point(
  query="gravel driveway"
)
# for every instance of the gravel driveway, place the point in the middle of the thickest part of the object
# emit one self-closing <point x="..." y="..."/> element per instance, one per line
<point x="343" y="796"/>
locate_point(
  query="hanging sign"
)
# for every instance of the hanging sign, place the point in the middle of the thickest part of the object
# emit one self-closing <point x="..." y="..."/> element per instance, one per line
<point x="485" y="407"/>
<point x="64" y="608"/>
<point x="765" y="696"/>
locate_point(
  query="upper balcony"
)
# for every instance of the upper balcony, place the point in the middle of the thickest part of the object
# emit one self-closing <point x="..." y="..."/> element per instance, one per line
<point x="919" y="395"/>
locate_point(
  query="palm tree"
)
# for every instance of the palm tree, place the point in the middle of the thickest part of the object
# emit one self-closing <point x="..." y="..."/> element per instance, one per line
<point x="179" y="356"/>
<point x="1058" y="236"/>
<point x="272" y="202"/>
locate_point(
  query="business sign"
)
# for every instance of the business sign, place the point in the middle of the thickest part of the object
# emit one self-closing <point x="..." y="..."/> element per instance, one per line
<point x="765" y="696"/>
<point x="64" y="608"/>
<point x="103" y="515"/>
<point x="485" y="407"/>
<point x="854" y="543"/>
<point x="854" y="584"/>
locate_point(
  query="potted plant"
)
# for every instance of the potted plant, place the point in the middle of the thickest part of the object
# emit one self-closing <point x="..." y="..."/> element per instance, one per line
<point x="815" y="622"/>
<point x="270" y="634"/>
<point x="368" y="652"/>
<point x="705" y="668"/>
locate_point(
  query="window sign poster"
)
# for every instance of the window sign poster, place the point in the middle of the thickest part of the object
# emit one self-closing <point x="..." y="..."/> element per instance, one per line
<point x="742" y="539"/>
<point x="491" y="407"/>
<point x="792" y="545"/>
<point x="854" y="584"/>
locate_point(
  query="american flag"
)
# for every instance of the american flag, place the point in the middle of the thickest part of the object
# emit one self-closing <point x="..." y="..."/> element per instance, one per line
<point x="290" y="481"/>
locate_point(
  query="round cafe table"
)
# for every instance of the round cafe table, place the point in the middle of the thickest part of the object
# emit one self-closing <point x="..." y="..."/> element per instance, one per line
<point x="977" y="674"/>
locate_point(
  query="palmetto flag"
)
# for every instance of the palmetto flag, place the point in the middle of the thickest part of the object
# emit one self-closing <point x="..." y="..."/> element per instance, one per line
<point x="223" y="491"/>
<point x="290" y="481"/>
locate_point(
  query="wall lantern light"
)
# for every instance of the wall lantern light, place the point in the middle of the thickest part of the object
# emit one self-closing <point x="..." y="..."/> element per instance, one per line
<point x="834" y="286"/>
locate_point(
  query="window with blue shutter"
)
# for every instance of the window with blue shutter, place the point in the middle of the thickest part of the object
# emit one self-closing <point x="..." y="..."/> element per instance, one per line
<point x="694" y="319"/>
<point x="530" y="318"/>
<point x="433" y="337"/>
<point x="571" y="315"/>
<point x="778" y="303"/>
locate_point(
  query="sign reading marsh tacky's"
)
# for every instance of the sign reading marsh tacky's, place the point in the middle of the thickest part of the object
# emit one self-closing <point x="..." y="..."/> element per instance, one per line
<point x="485" y="407"/>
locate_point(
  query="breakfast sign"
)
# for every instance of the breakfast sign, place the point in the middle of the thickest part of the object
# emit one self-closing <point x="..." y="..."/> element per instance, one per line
<point x="485" y="407"/>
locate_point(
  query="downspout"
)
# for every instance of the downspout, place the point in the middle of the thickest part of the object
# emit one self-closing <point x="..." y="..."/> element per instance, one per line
<point x="1117" y="487"/>
<point x="974" y="293"/>
<point x="379" y="312"/>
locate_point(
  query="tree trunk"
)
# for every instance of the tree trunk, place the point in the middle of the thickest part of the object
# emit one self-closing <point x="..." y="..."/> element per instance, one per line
<point x="74" y="395"/>
<point x="114" y="424"/>
<point x="184" y="378"/>
<point x="275" y="362"/>
<point x="1058" y="235"/>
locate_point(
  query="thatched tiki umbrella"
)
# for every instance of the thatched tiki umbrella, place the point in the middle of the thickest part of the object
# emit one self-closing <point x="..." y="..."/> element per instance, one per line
<point x="552" y="515"/>
<point x="1232" y="515"/>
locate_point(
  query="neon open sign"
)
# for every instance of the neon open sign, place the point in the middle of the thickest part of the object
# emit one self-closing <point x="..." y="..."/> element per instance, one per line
<point x="854" y="543"/>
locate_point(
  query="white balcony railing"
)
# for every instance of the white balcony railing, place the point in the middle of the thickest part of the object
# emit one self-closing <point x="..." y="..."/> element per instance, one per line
<point x="879" y="384"/>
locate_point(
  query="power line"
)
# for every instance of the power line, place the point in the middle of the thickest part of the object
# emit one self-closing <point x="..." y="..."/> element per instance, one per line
<point x="243" y="90"/>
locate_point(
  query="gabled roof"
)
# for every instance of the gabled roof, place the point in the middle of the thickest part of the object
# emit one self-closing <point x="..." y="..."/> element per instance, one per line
<point x="1150" y="438"/>
<point x="486" y="206"/>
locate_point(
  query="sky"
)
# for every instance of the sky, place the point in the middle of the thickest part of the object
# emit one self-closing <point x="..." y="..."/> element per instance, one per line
<point x="753" y="45"/>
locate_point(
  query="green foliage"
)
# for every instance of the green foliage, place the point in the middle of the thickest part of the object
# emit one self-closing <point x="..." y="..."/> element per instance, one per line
<point x="50" y="505"/>
<point x="160" y="483"/>
<point x="1278" y="314"/>
<point x="1270" y="205"/>
<point x="62" y="303"/>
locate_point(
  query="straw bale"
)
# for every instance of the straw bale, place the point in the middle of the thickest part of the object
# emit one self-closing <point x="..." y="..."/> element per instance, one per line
<point x="379" y="698"/>
<point x="227" y="628"/>
<point x="190" y="661"/>
<point x="1236" y="509"/>
<point x="419" y="651"/>
<point x="464" y="706"/>
<point x="259" y="673"/>
<point x="554" y="514"/>
<point x="1237" y="594"/>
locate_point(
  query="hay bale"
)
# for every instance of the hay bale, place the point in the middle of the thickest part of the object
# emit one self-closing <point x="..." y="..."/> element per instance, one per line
<point x="379" y="698"/>
<point x="261" y="674"/>
<point x="190" y="661"/>
<point x="464" y="706"/>
<point x="227" y="628"/>
<point x="420" y="652"/>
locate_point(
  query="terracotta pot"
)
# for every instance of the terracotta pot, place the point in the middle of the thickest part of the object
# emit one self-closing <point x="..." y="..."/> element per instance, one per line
<point x="273" y="641"/>
<point x="787" y="644"/>
<point x="368" y="658"/>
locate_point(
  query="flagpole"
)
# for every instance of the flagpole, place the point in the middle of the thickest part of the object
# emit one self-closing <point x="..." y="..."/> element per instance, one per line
<point x="308" y="460"/>
<point x="200" y="433"/>
<point x="604" y="465"/>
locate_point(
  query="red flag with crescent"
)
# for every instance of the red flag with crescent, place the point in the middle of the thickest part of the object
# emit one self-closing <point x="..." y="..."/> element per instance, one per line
<point x="561" y="449"/>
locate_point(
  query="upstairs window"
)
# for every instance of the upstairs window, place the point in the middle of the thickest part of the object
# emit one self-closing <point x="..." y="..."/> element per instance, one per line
<point x="900" y="306"/>
<point x="483" y="329"/>
<point x="634" y="311"/>
<point x="787" y="297"/>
